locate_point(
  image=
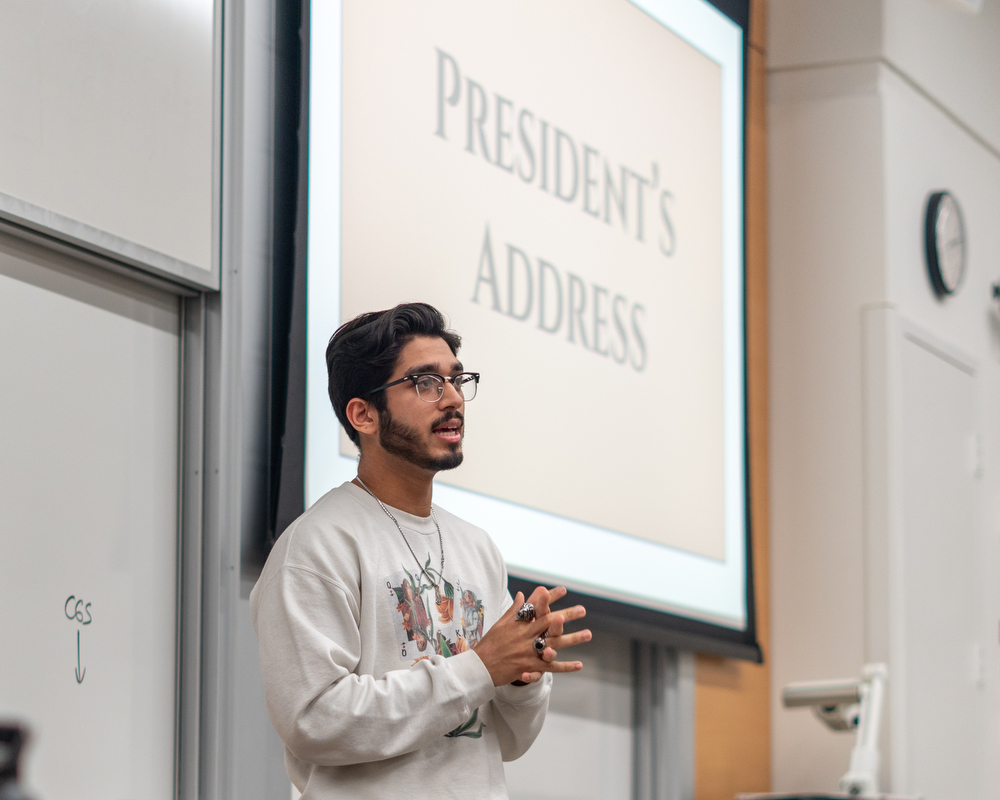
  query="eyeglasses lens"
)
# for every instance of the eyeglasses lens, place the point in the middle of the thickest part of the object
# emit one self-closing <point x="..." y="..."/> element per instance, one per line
<point x="430" y="388"/>
<point x="466" y="385"/>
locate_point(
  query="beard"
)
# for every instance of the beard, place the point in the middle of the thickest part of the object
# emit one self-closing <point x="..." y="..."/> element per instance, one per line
<point x="404" y="442"/>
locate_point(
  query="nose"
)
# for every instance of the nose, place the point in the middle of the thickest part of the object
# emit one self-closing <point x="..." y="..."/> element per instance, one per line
<point x="451" y="397"/>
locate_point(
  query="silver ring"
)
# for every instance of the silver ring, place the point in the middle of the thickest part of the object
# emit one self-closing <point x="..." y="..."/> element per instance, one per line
<point x="526" y="613"/>
<point x="539" y="645"/>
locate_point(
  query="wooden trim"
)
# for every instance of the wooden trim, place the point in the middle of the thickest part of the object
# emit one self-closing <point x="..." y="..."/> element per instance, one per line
<point x="758" y="25"/>
<point x="732" y="698"/>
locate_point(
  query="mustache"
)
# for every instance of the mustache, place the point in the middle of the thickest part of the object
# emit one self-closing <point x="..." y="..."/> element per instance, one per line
<point x="448" y="417"/>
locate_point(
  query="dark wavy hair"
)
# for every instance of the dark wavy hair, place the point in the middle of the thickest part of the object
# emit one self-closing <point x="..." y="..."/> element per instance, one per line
<point x="362" y="354"/>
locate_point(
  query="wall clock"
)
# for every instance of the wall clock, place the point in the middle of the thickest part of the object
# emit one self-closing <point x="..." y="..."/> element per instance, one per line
<point x="944" y="243"/>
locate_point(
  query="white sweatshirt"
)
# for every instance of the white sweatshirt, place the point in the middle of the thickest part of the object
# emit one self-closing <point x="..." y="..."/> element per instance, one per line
<point x="369" y="672"/>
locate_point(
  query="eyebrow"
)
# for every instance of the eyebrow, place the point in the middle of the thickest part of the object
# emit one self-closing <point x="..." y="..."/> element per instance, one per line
<point x="421" y="368"/>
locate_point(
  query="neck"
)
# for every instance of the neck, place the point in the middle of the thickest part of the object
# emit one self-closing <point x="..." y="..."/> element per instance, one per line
<point x="409" y="490"/>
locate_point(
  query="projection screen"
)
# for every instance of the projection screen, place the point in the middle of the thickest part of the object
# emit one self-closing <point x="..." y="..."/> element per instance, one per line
<point x="564" y="181"/>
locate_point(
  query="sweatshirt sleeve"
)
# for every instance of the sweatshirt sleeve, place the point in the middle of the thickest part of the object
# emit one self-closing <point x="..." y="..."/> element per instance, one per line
<point x="519" y="710"/>
<point x="520" y="713"/>
<point x="310" y="645"/>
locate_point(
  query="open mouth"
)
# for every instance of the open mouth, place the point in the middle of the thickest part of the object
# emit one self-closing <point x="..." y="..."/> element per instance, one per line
<point x="450" y="430"/>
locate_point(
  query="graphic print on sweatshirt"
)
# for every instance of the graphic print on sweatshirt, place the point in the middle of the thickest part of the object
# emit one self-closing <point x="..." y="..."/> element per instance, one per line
<point x="428" y="623"/>
<point x="443" y="619"/>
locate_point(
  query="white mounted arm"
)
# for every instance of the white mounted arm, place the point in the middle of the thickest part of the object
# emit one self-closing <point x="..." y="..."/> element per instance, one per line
<point x="862" y="774"/>
<point x="844" y="705"/>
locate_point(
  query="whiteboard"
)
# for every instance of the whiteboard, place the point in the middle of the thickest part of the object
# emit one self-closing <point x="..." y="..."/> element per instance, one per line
<point x="106" y="120"/>
<point x="88" y="525"/>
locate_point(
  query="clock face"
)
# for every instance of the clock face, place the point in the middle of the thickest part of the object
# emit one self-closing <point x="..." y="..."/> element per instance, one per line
<point x="945" y="243"/>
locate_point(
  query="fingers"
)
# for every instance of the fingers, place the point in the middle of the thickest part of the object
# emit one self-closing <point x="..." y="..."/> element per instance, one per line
<point x="542" y="598"/>
<point x="550" y="624"/>
<point x="552" y="666"/>
<point x="508" y="647"/>
<point x="515" y="606"/>
<point x="558" y="642"/>
<point x="565" y="666"/>
<point x="557" y="619"/>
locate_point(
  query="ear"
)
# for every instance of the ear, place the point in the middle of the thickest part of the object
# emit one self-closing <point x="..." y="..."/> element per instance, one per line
<point x="362" y="415"/>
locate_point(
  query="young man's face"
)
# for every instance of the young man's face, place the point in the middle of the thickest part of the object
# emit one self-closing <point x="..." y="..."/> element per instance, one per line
<point x="427" y="435"/>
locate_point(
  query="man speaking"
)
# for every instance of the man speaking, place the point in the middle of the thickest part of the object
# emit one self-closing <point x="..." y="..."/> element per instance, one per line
<point x="395" y="663"/>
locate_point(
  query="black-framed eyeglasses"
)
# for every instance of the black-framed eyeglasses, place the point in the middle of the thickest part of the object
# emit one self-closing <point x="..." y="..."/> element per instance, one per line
<point x="430" y="385"/>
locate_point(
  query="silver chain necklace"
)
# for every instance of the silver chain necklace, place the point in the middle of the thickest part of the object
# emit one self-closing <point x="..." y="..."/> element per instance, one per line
<point x="437" y="588"/>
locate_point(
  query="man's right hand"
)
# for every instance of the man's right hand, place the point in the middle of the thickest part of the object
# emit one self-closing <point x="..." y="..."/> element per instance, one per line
<point x="508" y="650"/>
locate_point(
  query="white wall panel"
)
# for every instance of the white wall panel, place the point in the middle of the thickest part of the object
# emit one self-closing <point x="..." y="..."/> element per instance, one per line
<point x="952" y="55"/>
<point x="88" y="492"/>
<point x="939" y="691"/>
<point x="929" y="152"/>
<point x="106" y="117"/>
<point x="809" y="32"/>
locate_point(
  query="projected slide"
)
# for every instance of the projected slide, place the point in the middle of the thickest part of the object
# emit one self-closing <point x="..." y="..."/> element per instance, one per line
<point x="564" y="182"/>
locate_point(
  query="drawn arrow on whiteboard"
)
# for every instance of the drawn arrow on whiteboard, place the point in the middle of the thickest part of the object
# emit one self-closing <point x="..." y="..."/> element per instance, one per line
<point x="79" y="675"/>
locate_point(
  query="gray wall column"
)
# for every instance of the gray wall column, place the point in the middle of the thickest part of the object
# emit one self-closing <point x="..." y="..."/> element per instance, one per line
<point x="663" y="722"/>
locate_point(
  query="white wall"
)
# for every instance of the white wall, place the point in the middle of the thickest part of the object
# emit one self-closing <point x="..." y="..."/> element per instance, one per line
<point x="872" y="106"/>
<point x="106" y="117"/>
<point x="811" y="32"/>
<point x="951" y="56"/>
<point x="88" y="492"/>
<point x="926" y="150"/>
<point x="826" y="263"/>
